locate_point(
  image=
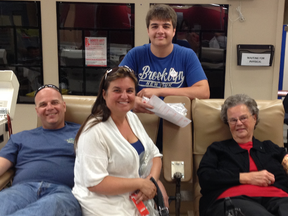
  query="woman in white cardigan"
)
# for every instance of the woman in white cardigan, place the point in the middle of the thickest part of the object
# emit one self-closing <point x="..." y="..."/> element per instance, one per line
<point x="114" y="152"/>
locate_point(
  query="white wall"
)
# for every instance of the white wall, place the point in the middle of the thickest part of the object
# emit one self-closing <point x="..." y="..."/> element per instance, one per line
<point x="263" y="25"/>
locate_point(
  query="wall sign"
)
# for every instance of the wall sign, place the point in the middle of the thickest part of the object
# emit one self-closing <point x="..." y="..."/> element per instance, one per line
<point x="251" y="59"/>
<point x="96" y="51"/>
<point x="255" y="55"/>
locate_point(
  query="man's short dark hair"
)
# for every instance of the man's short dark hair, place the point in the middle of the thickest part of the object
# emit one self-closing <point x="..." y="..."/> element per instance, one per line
<point x="161" y="12"/>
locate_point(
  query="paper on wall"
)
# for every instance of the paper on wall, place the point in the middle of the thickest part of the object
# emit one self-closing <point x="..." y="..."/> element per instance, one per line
<point x="164" y="111"/>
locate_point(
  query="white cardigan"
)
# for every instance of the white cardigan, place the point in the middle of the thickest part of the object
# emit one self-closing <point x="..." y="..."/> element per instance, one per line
<point x="103" y="151"/>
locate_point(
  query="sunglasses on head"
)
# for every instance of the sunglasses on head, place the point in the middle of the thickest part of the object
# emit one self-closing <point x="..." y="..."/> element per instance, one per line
<point x="47" y="86"/>
<point x="116" y="69"/>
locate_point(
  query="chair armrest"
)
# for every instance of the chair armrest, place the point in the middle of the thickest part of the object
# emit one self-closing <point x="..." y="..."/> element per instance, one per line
<point x="5" y="178"/>
<point x="177" y="143"/>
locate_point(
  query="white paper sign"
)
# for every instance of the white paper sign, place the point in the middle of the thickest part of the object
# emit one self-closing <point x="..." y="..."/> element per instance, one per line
<point x="95" y="51"/>
<point x="164" y="111"/>
<point x="253" y="59"/>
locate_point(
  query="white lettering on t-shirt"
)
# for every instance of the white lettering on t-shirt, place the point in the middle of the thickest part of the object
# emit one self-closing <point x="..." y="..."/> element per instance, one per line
<point x="157" y="79"/>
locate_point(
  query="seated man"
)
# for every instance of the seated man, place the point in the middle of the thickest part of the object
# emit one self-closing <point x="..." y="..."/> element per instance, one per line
<point x="252" y="173"/>
<point x="43" y="159"/>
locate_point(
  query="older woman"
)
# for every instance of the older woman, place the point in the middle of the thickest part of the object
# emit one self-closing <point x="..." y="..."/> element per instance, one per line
<point x="251" y="172"/>
<point x="113" y="151"/>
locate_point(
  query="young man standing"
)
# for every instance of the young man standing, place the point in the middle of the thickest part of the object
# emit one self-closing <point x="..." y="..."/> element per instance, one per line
<point x="164" y="68"/>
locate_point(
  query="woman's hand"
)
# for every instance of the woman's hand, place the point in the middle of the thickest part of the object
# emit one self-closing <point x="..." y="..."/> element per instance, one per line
<point x="140" y="107"/>
<point x="260" y="178"/>
<point x="141" y="197"/>
<point x="148" y="188"/>
<point x="146" y="191"/>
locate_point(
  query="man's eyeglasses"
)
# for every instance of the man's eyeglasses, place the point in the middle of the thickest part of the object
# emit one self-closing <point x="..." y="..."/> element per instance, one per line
<point x="47" y="86"/>
<point x="234" y="121"/>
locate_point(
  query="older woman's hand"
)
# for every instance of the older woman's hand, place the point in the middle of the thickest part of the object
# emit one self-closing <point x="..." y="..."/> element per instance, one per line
<point x="261" y="178"/>
<point x="285" y="163"/>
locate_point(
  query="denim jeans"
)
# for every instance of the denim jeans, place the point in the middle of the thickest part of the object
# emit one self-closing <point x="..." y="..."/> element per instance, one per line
<point x="38" y="198"/>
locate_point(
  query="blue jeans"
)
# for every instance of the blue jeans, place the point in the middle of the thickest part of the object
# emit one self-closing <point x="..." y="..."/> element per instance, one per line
<point x="38" y="198"/>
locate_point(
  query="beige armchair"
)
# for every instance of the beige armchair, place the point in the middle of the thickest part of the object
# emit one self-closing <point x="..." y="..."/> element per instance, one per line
<point x="77" y="110"/>
<point x="178" y="158"/>
<point x="6" y="178"/>
<point x="187" y="144"/>
<point x="208" y="128"/>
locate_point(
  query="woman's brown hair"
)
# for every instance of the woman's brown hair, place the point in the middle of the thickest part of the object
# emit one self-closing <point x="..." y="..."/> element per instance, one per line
<point x="100" y="112"/>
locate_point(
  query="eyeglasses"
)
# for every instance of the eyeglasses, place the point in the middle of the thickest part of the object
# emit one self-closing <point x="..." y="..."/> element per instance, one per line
<point x="47" y="86"/>
<point x="234" y="121"/>
<point x="116" y="69"/>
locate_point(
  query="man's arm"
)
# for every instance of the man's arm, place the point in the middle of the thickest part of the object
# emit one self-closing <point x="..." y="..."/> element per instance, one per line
<point x="199" y="90"/>
<point x="4" y="165"/>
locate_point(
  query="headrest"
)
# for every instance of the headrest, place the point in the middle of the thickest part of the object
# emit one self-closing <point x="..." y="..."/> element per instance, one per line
<point x="77" y="108"/>
<point x="209" y="128"/>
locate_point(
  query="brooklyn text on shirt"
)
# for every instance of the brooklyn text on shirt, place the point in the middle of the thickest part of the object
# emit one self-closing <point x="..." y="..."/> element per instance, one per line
<point x="159" y="79"/>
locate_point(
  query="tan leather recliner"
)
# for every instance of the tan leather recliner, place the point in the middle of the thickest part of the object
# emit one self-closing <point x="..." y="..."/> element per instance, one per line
<point x="6" y="178"/>
<point x="177" y="156"/>
<point x="77" y="110"/>
<point x="208" y="128"/>
<point x="177" y="142"/>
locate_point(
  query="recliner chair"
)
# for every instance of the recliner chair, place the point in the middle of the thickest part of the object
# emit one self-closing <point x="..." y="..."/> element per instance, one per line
<point x="285" y="105"/>
<point x="208" y="128"/>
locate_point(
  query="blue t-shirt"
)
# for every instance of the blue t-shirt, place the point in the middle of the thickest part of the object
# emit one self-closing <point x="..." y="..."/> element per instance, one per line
<point x="181" y="68"/>
<point x="43" y="155"/>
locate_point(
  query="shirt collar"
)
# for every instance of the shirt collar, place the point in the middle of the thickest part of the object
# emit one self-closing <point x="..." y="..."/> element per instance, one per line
<point x="257" y="145"/>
